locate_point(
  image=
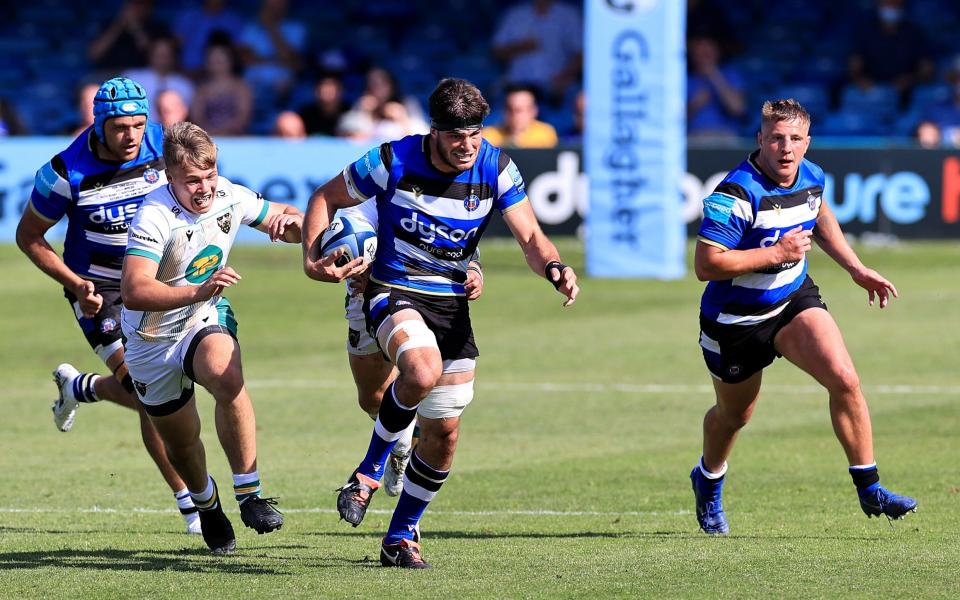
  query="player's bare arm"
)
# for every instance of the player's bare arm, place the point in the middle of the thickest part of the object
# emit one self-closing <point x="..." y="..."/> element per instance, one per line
<point x="540" y="251"/>
<point x="31" y="240"/>
<point x="141" y="290"/>
<point x="282" y="223"/>
<point x="714" y="263"/>
<point x="474" y="283"/>
<point x="831" y="239"/>
<point x="325" y="201"/>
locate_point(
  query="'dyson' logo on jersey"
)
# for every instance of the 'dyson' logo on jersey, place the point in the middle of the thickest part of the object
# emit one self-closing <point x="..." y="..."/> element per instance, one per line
<point x="113" y="215"/>
<point x="429" y="232"/>
<point x="204" y="264"/>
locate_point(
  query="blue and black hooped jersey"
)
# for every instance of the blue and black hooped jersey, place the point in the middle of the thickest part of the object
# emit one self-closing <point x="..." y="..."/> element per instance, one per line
<point x="99" y="200"/>
<point x="747" y="211"/>
<point x="429" y="222"/>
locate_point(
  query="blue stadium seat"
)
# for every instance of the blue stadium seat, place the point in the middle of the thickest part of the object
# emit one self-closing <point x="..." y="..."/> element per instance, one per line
<point x="814" y="97"/>
<point x="878" y="103"/>
<point x="843" y="123"/>
<point x="926" y="96"/>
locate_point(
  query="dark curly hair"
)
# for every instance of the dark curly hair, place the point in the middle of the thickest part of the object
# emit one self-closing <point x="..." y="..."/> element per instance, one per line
<point x="457" y="103"/>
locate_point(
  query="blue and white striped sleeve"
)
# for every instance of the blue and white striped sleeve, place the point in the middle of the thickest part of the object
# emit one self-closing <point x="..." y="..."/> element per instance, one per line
<point x="368" y="176"/>
<point x="727" y="214"/>
<point x="511" y="190"/>
<point x="51" y="193"/>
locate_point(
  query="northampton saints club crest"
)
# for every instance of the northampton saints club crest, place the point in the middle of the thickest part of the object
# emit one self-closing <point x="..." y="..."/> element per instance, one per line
<point x="225" y="221"/>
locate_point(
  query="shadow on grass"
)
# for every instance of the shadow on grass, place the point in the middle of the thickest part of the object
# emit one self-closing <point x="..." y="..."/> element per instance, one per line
<point x="245" y="561"/>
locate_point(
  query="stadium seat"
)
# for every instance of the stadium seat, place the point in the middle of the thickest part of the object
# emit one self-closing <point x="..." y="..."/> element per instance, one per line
<point x="849" y="123"/>
<point x="878" y="103"/>
<point x="814" y="97"/>
<point x="927" y="96"/>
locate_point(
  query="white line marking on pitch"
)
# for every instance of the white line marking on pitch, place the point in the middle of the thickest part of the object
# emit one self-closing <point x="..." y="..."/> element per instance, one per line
<point x="630" y="388"/>
<point x="456" y="513"/>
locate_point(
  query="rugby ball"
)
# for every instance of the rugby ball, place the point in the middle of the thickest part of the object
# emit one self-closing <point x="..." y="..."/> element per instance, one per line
<point x="354" y="236"/>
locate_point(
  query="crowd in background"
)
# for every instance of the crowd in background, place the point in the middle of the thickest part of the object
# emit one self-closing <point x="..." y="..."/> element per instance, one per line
<point x="864" y="68"/>
<point x="294" y="68"/>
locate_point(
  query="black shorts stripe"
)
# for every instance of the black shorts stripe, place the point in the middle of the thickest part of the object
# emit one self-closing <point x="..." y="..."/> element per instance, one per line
<point x="195" y="343"/>
<point x="168" y="408"/>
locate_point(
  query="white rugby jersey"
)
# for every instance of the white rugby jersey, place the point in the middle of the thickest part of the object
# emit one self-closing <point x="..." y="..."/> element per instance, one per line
<point x="188" y="248"/>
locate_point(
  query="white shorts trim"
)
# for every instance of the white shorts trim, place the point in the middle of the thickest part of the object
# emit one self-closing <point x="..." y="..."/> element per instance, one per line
<point x="460" y="365"/>
<point x="105" y="352"/>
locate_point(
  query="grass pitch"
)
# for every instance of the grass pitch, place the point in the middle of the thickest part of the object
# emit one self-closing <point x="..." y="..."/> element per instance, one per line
<point x="571" y="475"/>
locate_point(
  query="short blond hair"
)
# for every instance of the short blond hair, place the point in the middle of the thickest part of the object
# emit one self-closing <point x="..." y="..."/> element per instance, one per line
<point x="186" y="144"/>
<point x="788" y="109"/>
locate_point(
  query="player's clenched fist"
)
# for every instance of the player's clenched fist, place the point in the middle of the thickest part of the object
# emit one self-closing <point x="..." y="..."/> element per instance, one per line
<point x="222" y="278"/>
<point x="90" y="301"/>
<point x="794" y="244"/>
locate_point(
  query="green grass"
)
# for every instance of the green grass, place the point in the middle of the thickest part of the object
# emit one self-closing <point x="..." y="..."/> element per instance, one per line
<point x="571" y="475"/>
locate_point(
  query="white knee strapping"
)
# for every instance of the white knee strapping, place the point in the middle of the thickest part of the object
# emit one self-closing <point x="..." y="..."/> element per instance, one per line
<point x="446" y="401"/>
<point x="460" y="365"/>
<point x="418" y="336"/>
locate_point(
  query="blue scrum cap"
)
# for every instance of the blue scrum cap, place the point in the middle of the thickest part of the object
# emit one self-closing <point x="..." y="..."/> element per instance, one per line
<point x="118" y="97"/>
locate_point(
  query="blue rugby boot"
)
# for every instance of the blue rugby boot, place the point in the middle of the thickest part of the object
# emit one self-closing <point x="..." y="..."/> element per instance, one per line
<point x="710" y="513"/>
<point x="877" y="500"/>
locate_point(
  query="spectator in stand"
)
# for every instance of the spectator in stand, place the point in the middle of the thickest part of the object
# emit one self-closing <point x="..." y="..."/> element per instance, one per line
<point x="193" y="27"/>
<point x="170" y="108"/>
<point x="382" y="112"/>
<point x="125" y="41"/>
<point x="928" y="135"/>
<point x="85" y="95"/>
<point x="541" y="43"/>
<point x="890" y="50"/>
<point x="322" y="115"/>
<point x="10" y="123"/>
<point x="271" y="47"/>
<point x="520" y="127"/>
<point x="289" y="125"/>
<point x="715" y="99"/>
<point x="355" y="125"/>
<point x="946" y="115"/>
<point x="223" y="104"/>
<point x="162" y="72"/>
<point x="705" y="18"/>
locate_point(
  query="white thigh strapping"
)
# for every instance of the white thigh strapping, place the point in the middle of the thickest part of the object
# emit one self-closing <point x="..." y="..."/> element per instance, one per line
<point x="446" y="401"/>
<point x="418" y="336"/>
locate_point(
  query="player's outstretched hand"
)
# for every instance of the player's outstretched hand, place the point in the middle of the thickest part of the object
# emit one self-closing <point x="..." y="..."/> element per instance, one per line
<point x="88" y="298"/>
<point x="876" y="285"/>
<point x="568" y="284"/>
<point x="326" y="269"/>
<point x="222" y="278"/>
<point x="285" y="228"/>
<point x="474" y="284"/>
<point x="794" y="244"/>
